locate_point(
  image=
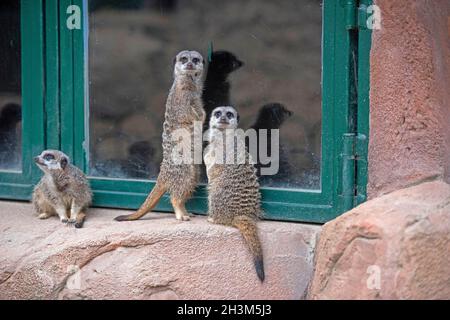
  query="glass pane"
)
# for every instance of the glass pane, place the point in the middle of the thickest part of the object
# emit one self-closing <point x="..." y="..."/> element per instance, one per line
<point x="278" y="86"/>
<point x="10" y="86"/>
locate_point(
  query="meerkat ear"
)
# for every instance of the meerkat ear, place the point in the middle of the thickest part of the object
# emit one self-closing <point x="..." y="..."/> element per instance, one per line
<point x="64" y="163"/>
<point x="238" y="118"/>
<point x="174" y="60"/>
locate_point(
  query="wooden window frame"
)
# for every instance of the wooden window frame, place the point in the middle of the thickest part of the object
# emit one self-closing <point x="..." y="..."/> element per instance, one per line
<point x="55" y="105"/>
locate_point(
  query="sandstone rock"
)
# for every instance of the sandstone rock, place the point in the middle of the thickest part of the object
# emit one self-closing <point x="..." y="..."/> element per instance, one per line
<point x="155" y="258"/>
<point x="409" y="96"/>
<point x="393" y="247"/>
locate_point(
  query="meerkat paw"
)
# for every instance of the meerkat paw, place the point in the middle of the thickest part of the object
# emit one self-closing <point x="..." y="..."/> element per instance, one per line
<point x="44" y="215"/>
<point x="64" y="220"/>
<point x="184" y="217"/>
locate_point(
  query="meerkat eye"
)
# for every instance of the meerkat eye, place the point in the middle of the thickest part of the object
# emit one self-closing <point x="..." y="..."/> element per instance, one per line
<point x="49" y="157"/>
<point x="218" y="114"/>
<point x="184" y="59"/>
<point x="230" y="115"/>
<point x="196" y="60"/>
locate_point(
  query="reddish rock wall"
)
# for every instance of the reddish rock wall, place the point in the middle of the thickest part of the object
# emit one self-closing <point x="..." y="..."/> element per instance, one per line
<point x="410" y="95"/>
<point x="393" y="247"/>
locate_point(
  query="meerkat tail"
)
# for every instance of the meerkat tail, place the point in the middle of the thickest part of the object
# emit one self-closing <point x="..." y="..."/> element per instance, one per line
<point x="151" y="201"/>
<point x="80" y="220"/>
<point x="247" y="227"/>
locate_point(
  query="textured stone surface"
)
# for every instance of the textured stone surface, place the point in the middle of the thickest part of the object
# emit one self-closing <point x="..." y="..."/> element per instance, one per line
<point x="410" y="100"/>
<point x="401" y="239"/>
<point x="156" y="258"/>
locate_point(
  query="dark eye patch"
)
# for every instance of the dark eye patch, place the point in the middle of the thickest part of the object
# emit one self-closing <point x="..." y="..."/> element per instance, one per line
<point x="230" y="115"/>
<point x="217" y="114"/>
<point x="64" y="162"/>
<point x="48" y="157"/>
<point x="196" y="60"/>
<point x="184" y="59"/>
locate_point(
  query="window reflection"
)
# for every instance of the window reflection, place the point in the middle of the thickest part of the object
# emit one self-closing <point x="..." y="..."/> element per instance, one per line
<point x="268" y="66"/>
<point x="10" y="86"/>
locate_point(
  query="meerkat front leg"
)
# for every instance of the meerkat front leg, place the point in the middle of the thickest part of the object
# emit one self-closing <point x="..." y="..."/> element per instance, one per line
<point x="77" y="215"/>
<point x="180" y="209"/>
<point x="74" y="211"/>
<point x="62" y="213"/>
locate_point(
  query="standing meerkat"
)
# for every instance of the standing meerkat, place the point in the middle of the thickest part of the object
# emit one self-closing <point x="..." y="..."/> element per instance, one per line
<point x="63" y="190"/>
<point x="184" y="107"/>
<point x="233" y="189"/>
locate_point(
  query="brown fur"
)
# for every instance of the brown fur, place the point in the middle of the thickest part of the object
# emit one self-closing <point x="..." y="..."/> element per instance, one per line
<point x="63" y="190"/>
<point x="184" y="107"/>
<point x="233" y="189"/>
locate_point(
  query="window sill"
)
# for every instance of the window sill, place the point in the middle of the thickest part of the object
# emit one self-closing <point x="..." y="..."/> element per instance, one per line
<point x="154" y="258"/>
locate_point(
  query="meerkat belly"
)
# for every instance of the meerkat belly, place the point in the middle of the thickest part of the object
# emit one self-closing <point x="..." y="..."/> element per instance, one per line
<point x="233" y="192"/>
<point x="178" y="170"/>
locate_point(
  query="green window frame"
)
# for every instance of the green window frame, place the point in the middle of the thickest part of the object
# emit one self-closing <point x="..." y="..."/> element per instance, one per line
<point x="18" y="185"/>
<point x="59" y="57"/>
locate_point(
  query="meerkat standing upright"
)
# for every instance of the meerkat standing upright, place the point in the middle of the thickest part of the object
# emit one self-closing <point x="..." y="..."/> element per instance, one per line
<point x="184" y="107"/>
<point x="233" y="188"/>
<point x="63" y="190"/>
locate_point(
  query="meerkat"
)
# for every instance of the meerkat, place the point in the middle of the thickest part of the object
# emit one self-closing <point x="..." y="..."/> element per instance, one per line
<point x="63" y="190"/>
<point x="184" y="107"/>
<point x="233" y="189"/>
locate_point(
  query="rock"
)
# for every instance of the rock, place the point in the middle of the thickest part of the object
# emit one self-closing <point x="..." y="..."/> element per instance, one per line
<point x="393" y="247"/>
<point x="154" y="258"/>
<point x="409" y="96"/>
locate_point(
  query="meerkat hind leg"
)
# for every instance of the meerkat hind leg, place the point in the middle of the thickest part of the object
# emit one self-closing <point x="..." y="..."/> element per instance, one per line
<point x="44" y="215"/>
<point x="180" y="209"/>
<point x="44" y="209"/>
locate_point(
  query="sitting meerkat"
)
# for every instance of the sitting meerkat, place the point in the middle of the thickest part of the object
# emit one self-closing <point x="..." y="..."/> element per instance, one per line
<point x="63" y="190"/>
<point x="233" y="188"/>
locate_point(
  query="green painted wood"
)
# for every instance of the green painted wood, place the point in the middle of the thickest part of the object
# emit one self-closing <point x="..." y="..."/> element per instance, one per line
<point x="81" y="87"/>
<point x="67" y="81"/>
<point x="364" y="46"/>
<point x="52" y="79"/>
<point x="18" y="185"/>
<point x="66" y="108"/>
